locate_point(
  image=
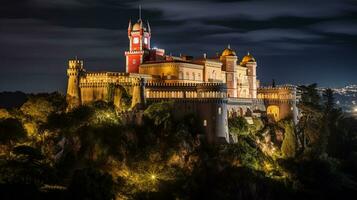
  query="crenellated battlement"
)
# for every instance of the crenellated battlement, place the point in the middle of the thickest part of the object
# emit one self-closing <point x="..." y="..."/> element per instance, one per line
<point x="182" y="84"/>
<point x="191" y="100"/>
<point x="280" y="87"/>
<point x="75" y="64"/>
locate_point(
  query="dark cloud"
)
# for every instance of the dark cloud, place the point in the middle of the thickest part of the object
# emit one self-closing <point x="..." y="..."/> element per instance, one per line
<point x="293" y="41"/>
<point x="258" y="10"/>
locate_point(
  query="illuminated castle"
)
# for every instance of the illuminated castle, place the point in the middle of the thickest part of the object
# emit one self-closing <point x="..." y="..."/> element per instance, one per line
<point x="213" y="88"/>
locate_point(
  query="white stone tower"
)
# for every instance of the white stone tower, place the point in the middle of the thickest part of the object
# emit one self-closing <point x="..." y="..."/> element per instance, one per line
<point x="249" y="62"/>
<point x="229" y="59"/>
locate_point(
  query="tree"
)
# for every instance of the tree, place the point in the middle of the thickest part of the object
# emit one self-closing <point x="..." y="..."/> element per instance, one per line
<point x="160" y="114"/>
<point x="37" y="109"/>
<point x="11" y="131"/>
<point x="4" y="113"/>
<point x="329" y="100"/>
<point x="238" y="125"/>
<point x="309" y="128"/>
<point x="289" y="145"/>
<point x="332" y="119"/>
<point x="27" y="166"/>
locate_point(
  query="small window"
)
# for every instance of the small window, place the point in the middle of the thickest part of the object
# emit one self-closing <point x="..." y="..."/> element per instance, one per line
<point x="180" y="75"/>
<point x="219" y="110"/>
<point x="134" y="61"/>
<point x="145" y="40"/>
<point x="136" y="40"/>
<point x="204" y="122"/>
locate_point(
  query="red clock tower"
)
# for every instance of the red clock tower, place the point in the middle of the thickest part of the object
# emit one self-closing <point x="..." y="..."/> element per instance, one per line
<point x="139" y="45"/>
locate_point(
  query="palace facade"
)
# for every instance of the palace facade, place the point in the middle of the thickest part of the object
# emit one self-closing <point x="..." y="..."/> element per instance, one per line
<point x="213" y="88"/>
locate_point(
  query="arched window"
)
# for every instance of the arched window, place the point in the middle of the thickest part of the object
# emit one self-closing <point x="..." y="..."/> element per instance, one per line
<point x="180" y="75"/>
<point x="193" y="76"/>
<point x="187" y="76"/>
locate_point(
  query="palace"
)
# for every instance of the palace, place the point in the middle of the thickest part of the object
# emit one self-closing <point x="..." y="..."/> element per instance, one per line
<point x="213" y="88"/>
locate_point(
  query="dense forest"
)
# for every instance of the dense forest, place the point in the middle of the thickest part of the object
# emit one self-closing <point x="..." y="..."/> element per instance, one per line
<point x="99" y="152"/>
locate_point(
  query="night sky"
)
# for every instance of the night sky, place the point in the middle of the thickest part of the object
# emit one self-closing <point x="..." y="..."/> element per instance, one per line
<point x="294" y="41"/>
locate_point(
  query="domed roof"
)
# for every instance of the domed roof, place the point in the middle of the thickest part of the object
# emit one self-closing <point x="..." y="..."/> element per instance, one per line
<point x="136" y="26"/>
<point x="228" y="52"/>
<point x="248" y="58"/>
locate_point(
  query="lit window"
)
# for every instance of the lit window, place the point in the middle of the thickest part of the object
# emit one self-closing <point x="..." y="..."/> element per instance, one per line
<point x="136" y="40"/>
<point x="204" y="122"/>
<point x="219" y="110"/>
<point x="134" y="61"/>
<point x="145" y="40"/>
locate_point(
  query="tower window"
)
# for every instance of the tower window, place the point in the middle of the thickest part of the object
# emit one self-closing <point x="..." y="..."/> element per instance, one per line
<point x="219" y="110"/>
<point x="136" y="40"/>
<point x="134" y="61"/>
<point x="204" y="122"/>
<point x="145" y="40"/>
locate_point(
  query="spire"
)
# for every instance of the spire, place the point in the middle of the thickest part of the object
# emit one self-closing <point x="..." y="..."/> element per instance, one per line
<point x="141" y="24"/>
<point x="129" y="27"/>
<point x="149" y="29"/>
<point x="140" y="12"/>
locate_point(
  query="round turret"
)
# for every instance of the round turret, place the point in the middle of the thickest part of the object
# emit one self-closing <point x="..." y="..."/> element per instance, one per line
<point x="136" y="27"/>
<point x="228" y="52"/>
<point x="248" y="58"/>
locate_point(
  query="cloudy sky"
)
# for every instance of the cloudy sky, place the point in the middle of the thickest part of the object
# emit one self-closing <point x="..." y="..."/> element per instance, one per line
<point x="294" y="41"/>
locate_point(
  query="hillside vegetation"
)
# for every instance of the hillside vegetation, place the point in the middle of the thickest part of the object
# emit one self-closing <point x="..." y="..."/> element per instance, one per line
<point x="97" y="152"/>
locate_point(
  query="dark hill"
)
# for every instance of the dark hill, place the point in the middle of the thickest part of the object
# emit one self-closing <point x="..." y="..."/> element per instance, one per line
<point x="12" y="99"/>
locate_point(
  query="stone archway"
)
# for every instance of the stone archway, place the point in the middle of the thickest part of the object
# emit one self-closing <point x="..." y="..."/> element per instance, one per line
<point x="274" y="112"/>
<point x="241" y="112"/>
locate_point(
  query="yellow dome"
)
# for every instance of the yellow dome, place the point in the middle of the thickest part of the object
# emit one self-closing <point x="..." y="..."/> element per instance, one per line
<point x="248" y="58"/>
<point x="228" y="52"/>
<point x="136" y="27"/>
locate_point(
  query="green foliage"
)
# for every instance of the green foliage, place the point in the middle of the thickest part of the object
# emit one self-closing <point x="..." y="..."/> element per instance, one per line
<point x="37" y="109"/>
<point x="289" y="145"/>
<point x="163" y="157"/>
<point x="310" y="127"/>
<point x="244" y="153"/>
<point x="329" y="101"/>
<point x="27" y="166"/>
<point x="4" y="114"/>
<point x="238" y="126"/>
<point x="160" y="113"/>
<point x="257" y="125"/>
<point x="309" y="95"/>
<point x="11" y="131"/>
